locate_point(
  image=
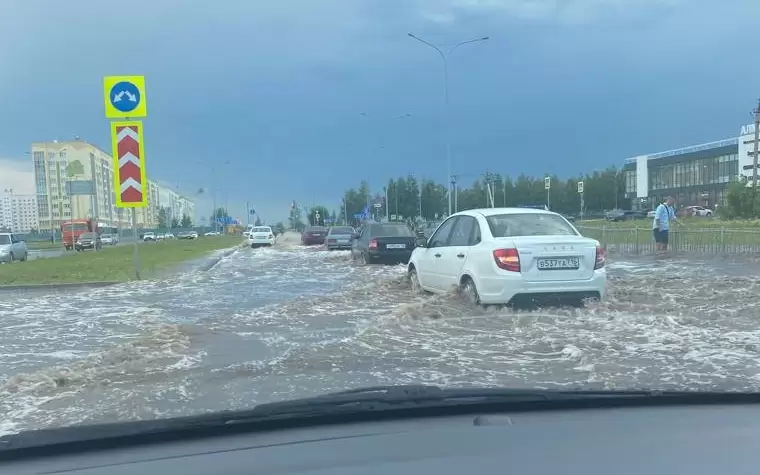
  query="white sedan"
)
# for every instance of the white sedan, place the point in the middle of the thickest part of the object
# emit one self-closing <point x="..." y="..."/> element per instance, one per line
<point x="508" y="255"/>
<point x="260" y="236"/>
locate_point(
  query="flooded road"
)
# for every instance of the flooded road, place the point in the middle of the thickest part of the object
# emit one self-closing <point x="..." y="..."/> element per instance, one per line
<point x="272" y="324"/>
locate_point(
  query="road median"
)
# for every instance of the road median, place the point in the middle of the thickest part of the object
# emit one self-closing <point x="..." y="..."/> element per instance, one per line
<point x="112" y="264"/>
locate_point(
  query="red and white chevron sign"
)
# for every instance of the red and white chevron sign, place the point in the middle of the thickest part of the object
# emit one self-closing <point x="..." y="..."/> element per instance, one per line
<point x="130" y="181"/>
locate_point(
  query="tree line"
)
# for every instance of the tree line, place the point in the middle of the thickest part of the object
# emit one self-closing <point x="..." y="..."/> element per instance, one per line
<point x="408" y="197"/>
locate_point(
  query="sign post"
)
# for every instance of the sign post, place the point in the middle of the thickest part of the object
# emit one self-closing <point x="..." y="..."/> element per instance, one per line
<point x="548" y="187"/>
<point x="124" y="98"/>
<point x="580" y="191"/>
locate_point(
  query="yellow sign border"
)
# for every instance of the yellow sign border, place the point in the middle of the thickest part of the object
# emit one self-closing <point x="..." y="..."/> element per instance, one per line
<point x="113" y="113"/>
<point x="115" y="162"/>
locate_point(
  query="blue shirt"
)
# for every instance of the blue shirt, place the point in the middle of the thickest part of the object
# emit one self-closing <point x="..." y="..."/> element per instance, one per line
<point x="664" y="213"/>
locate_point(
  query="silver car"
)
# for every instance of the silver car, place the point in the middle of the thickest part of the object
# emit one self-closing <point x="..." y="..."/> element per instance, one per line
<point x="12" y="248"/>
<point x="339" y="237"/>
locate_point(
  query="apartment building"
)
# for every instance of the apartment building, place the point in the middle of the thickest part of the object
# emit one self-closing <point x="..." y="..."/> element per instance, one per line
<point x="18" y="212"/>
<point x="176" y="205"/>
<point x="74" y="180"/>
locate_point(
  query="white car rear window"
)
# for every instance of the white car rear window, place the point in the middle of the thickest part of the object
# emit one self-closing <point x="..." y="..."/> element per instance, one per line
<point x="262" y="230"/>
<point x="529" y="224"/>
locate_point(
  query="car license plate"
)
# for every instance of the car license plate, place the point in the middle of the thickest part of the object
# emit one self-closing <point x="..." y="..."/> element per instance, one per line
<point x="395" y="246"/>
<point x="558" y="263"/>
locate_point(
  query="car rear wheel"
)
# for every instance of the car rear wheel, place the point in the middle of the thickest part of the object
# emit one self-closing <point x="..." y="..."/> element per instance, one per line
<point x="469" y="291"/>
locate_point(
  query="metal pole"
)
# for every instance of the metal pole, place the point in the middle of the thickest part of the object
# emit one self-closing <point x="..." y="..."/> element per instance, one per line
<point x="387" y="205"/>
<point x="420" y="187"/>
<point x="395" y="191"/>
<point x="213" y="194"/>
<point x="754" y="157"/>
<point x="134" y="235"/>
<point x="583" y="205"/>
<point x="444" y="57"/>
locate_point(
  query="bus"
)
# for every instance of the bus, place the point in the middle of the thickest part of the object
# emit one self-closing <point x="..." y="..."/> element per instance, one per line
<point x="105" y="229"/>
<point x="71" y="230"/>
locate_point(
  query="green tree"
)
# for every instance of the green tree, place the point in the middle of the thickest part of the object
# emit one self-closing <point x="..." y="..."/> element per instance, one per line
<point x="603" y="190"/>
<point x="186" y="221"/>
<point x="738" y="201"/>
<point x="317" y="215"/>
<point x="294" y="218"/>
<point x="175" y="223"/>
<point x="74" y="168"/>
<point x="163" y="218"/>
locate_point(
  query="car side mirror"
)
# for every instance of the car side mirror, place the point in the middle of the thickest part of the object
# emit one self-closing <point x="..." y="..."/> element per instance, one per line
<point x="421" y="241"/>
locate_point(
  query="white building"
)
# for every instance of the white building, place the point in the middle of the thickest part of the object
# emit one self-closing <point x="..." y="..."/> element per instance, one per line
<point x="176" y="205"/>
<point x="87" y="171"/>
<point x="84" y="170"/>
<point x="18" y="212"/>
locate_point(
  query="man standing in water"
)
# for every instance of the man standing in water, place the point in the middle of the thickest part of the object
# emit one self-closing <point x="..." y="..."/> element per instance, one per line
<point x="663" y="215"/>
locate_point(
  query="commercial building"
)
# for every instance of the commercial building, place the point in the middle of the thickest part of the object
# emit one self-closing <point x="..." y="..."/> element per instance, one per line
<point x="74" y="180"/>
<point x="695" y="175"/>
<point x="18" y="213"/>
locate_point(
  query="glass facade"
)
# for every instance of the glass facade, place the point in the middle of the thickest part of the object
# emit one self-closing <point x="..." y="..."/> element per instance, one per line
<point x="698" y="178"/>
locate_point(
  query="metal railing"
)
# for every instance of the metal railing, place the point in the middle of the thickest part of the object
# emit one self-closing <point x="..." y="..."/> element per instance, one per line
<point x="706" y="240"/>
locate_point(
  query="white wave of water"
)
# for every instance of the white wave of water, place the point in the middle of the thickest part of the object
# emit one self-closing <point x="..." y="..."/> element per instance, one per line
<point x="290" y="321"/>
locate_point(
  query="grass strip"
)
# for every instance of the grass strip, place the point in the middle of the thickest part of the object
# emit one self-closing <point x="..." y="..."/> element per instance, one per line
<point x="113" y="264"/>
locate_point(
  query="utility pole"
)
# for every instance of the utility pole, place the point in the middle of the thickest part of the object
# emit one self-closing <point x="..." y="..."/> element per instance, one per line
<point x="754" y="155"/>
<point x="453" y="189"/>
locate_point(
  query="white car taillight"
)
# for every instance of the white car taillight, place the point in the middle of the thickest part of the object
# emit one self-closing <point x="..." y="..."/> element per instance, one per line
<point x="600" y="258"/>
<point x="507" y="259"/>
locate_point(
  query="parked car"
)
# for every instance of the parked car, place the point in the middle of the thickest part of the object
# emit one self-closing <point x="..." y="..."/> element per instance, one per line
<point x="88" y="241"/>
<point x="149" y="236"/>
<point x="12" y="248"/>
<point x="313" y="235"/>
<point x="386" y="242"/>
<point x="187" y="235"/>
<point x="110" y="239"/>
<point x="509" y="256"/>
<point x="340" y="237"/>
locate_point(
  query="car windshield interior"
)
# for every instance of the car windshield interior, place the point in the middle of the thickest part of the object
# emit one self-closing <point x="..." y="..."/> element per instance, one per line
<point x="394" y="230"/>
<point x="529" y="224"/>
<point x="5" y="239"/>
<point x="316" y="229"/>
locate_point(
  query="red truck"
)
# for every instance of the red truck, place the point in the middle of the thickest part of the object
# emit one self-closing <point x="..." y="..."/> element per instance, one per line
<point x="71" y="230"/>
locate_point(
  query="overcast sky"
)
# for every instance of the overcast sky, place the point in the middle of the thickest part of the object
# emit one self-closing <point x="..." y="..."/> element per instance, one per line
<point x="278" y="88"/>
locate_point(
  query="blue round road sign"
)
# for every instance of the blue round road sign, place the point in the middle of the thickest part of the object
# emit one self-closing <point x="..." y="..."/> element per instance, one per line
<point x="125" y="96"/>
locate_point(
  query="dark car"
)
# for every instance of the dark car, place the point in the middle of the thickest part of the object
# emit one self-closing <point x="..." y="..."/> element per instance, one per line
<point x="314" y="235"/>
<point x="88" y="241"/>
<point x="387" y="242"/>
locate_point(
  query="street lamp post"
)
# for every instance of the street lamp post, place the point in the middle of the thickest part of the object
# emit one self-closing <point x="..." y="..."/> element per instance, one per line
<point x="444" y="57"/>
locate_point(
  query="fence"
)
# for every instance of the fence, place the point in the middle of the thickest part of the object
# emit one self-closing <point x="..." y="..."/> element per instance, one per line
<point x="706" y="240"/>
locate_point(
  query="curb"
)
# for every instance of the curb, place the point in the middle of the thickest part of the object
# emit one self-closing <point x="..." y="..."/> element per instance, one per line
<point x="61" y="285"/>
<point x="212" y="262"/>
